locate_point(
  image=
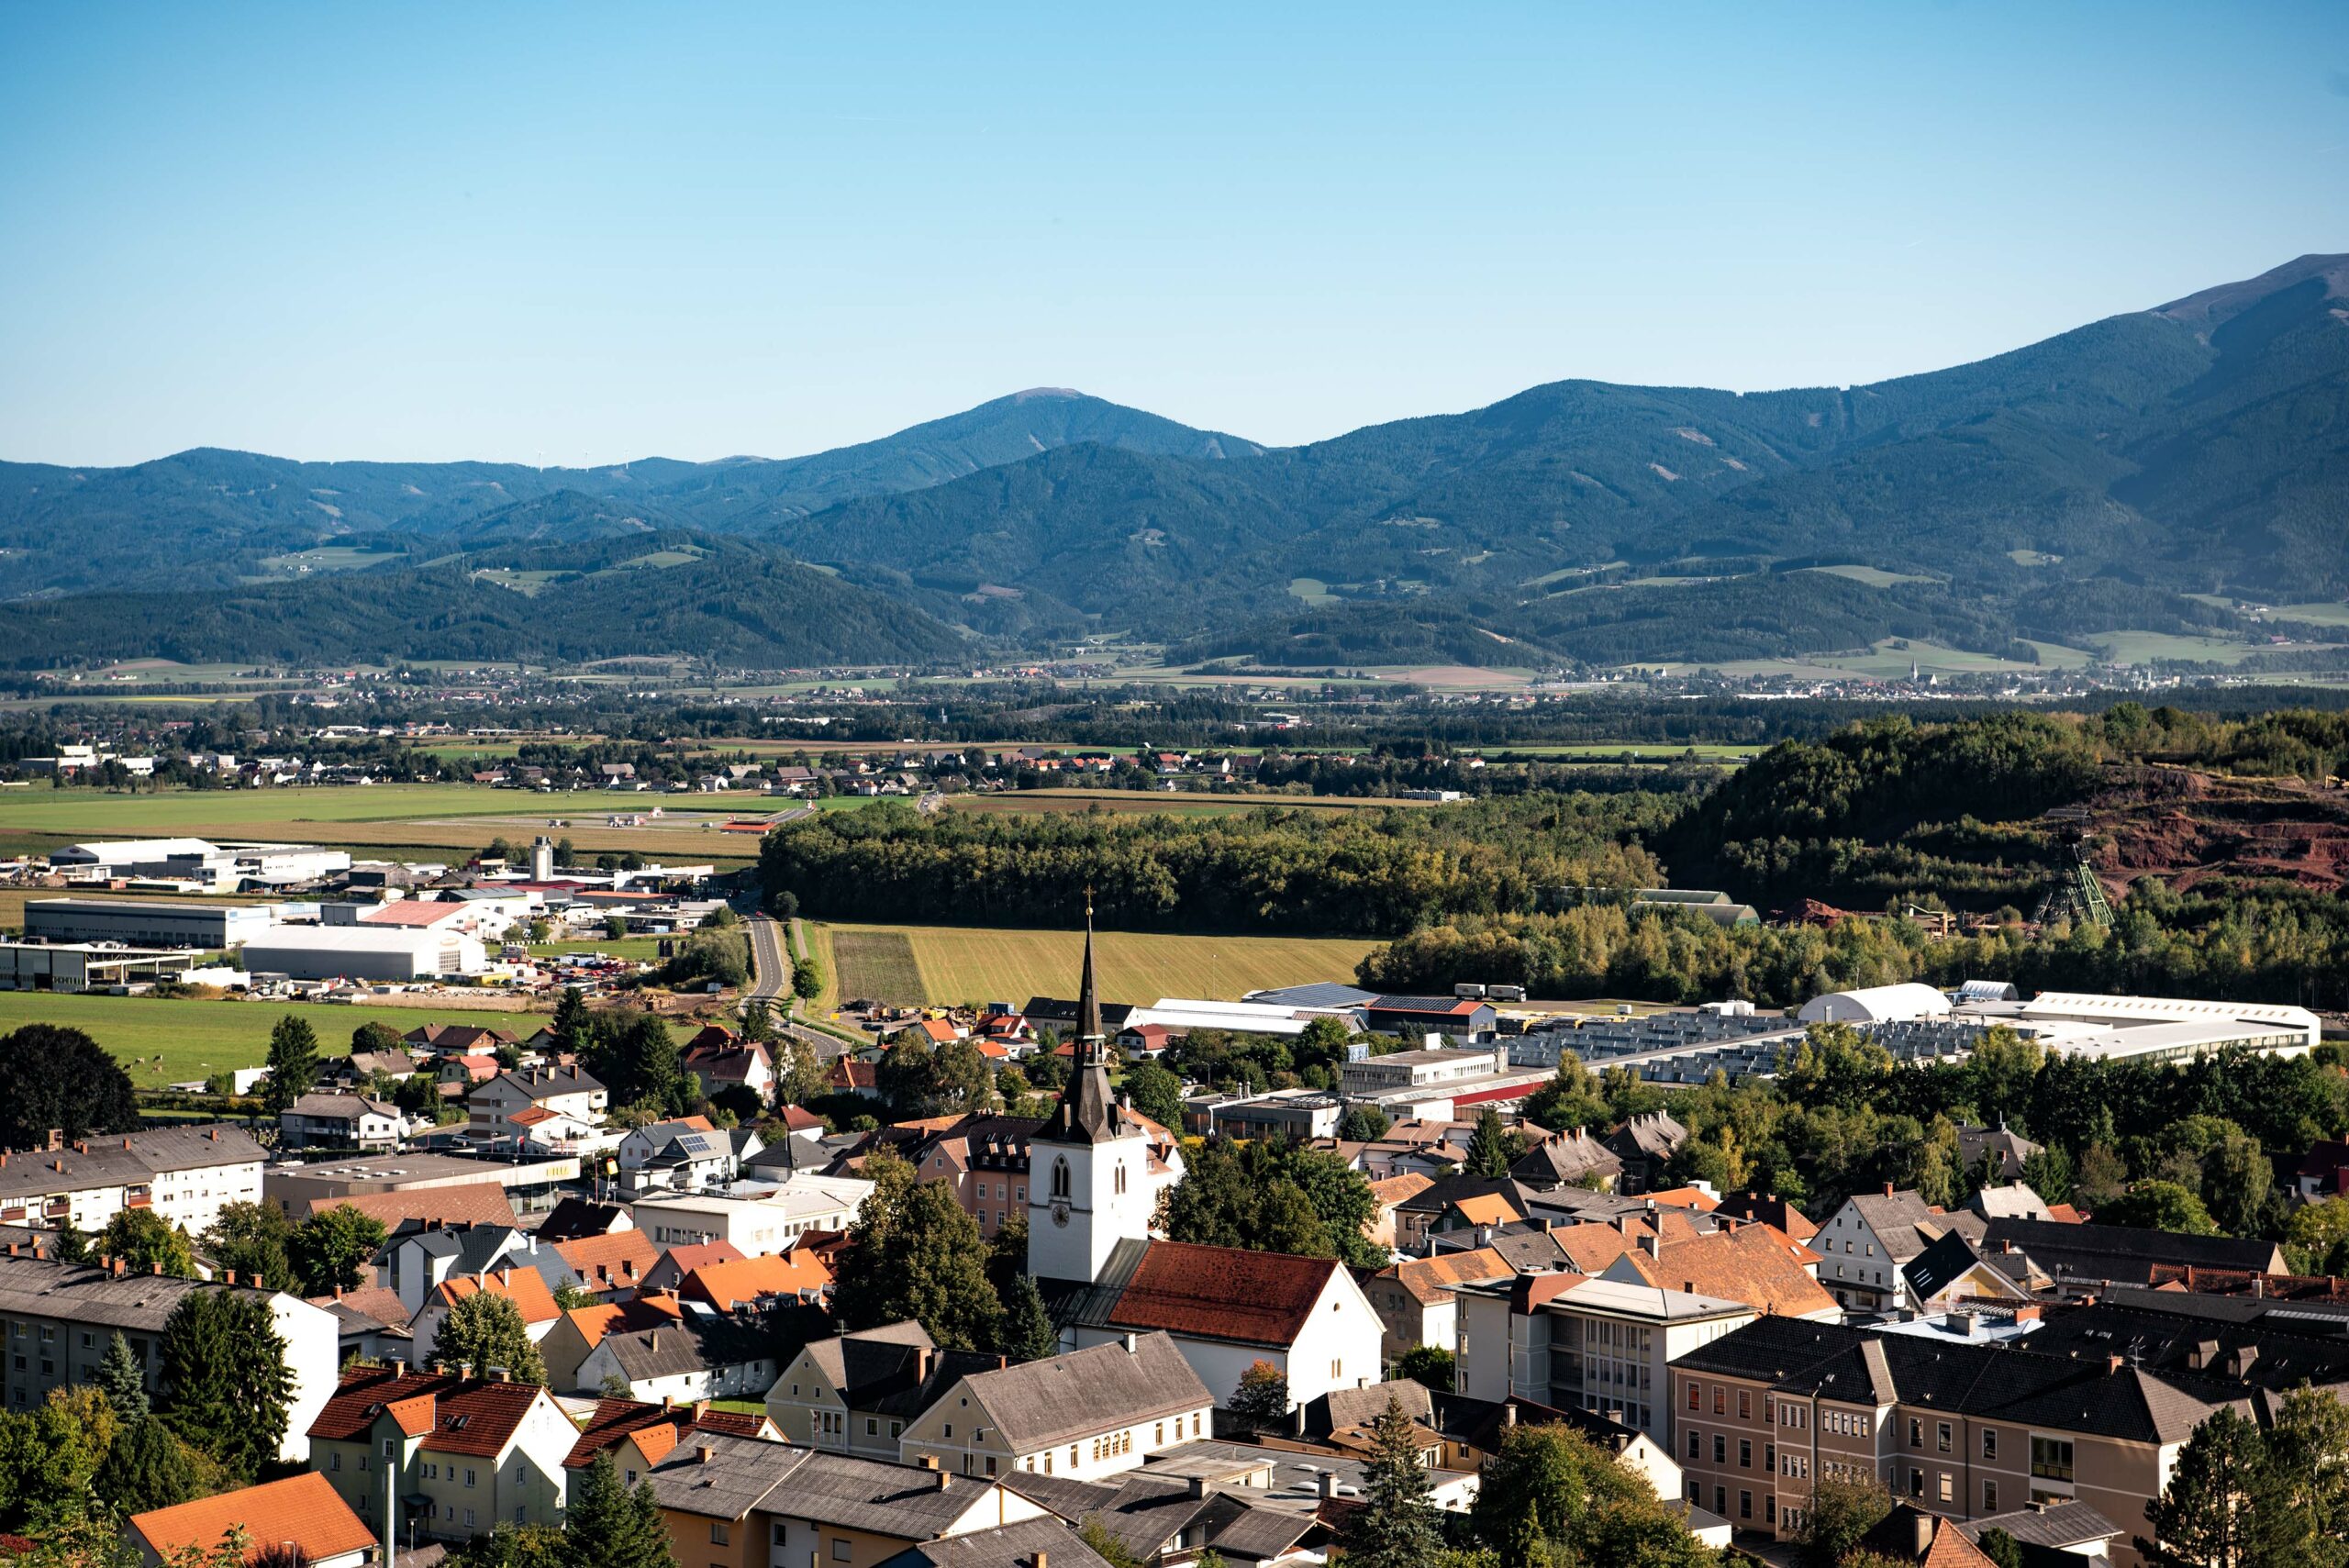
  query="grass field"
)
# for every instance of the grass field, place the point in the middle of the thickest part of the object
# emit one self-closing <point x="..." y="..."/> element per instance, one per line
<point x="163" y="1041"/>
<point x="972" y="964"/>
<point x="2144" y="647"/>
<point x="1874" y="576"/>
<point x="1178" y="803"/>
<point x="877" y="964"/>
<point x="2315" y="615"/>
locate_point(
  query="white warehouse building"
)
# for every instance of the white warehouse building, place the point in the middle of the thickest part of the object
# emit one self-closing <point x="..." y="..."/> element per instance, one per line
<point x="363" y="952"/>
<point x="146" y="922"/>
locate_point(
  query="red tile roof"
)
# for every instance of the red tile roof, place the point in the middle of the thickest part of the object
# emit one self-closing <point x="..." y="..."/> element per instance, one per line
<point x="729" y="1284"/>
<point x="618" y="1418"/>
<point x="623" y="1317"/>
<point x="1222" y="1293"/>
<point x="614" y="1259"/>
<point x="798" y="1118"/>
<point x="526" y="1288"/>
<point x="468" y="1415"/>
<point x="701" y="1254"/>
<point x="301" y="1509"/>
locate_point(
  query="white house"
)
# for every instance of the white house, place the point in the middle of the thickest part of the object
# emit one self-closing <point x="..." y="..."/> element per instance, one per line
<point x="343" y="1122"/>
<point x="1226" y="1309"/>
<point x="564" y="1091"/>
<point x="1085" y="1414"/>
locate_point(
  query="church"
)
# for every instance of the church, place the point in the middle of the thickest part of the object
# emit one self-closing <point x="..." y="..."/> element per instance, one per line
<point x="1092" y="1193"/>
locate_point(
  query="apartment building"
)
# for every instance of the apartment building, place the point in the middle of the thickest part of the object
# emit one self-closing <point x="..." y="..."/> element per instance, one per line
<point x="456" y="1455"/>
<point x="184" y="1174"/>
<point x="856" y="1393"/>
<point x="1956" y="1428"/>
<point x="57" y="1320"/>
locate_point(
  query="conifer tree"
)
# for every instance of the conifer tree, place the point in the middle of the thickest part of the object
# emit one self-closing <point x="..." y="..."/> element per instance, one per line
<point x="292" y="1064"/>
<point x="1026" y="1334"/>
<point x="611" y="1525"/>
<point x="224" y="1367"/>
<point x="122" y="1380"/>
<point x="1397" y="1525"/>
<point x="146" y="1467"/>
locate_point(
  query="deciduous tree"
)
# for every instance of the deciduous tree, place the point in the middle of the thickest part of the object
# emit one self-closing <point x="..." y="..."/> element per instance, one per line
<point x="483" y="1332"/>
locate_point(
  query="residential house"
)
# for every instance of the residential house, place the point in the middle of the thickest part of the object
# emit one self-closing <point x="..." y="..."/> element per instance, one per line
<point x="1865" y="1241"/>
<point x="1417" y="1299"/>
<point x="857" y="1392"/>
<point x="1910" y="1534"/>
<point x="1768" y="1209"/>
<point x="508" y="1279"/>
<point x="468" y="1453"/>
<point x="1392" y="1193"/>
<point x="1645" y="1144"/>
<point x="370" y="1324"/>
<point x="732" y="1064"/>
<point x="703" y="1355"/>
<point x="2324" y="1171"/>
<point x="300" y="1514"/>
<point x="677" y="1262"/>
<point x="758" y="1282"/>
<point x="612" y="1265"/>
<point x="1227" y="1308"/>
<point x="1754" y="1264"/>
<point x="341" y="1121"/>
<point x="1997" y="1149"/>
<point x="1022" y="1545"/>
<point x="767" y="1222"/>
<point x="1157" y="1522"/>
<point x="577" y="1218"/>
<point x="1086" y="1413"/>
<point x="1573" y="1158"/>
<point x="734" y="1502"/>
<point x="1954" y="1274"/>
<point x="414" y="1262"/>
<point x="1598" y="1345"/>
<point x="578" y="1331"/>
<point x="2087" y="1260"/>
<point x="639" y="1434"/>
<point x="60" y="1319"/>
<point x="564" y="1091"/>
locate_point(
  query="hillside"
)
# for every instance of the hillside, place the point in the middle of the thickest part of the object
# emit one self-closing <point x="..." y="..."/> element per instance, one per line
<point x="2144" y="473"/>
<point x="212" y="516"/>
<point x="659" y="592"/>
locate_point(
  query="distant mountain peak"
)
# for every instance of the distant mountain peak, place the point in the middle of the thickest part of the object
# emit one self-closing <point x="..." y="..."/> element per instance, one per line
<point x="2216" y="307"/>
<point x="1031" y="394"/>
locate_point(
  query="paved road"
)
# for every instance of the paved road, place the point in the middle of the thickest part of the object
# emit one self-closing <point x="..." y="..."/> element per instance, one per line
<point x="770" y="958"/>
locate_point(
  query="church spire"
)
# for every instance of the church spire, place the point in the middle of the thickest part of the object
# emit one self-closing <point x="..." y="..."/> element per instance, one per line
<point x="1089" y="1035"/>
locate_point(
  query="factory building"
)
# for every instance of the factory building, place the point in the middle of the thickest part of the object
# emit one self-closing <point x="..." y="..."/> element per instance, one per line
<point x="200" y="863"/>
<point x="363" y="952"/>
<point x="146" y="922"/>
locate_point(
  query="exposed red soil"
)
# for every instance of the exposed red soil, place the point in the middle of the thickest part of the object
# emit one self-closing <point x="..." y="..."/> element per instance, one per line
<point x="2189" y="827"/>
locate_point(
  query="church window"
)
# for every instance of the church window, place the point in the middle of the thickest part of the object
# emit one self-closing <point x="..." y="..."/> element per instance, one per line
<point x="1119" y="1179"/>
<point x="1059" y="1178"/>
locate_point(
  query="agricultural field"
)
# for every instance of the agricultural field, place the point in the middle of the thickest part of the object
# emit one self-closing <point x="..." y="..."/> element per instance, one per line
<point x="2315" y="615"/>
<point x="949" y="964"/>
<point x="1874" y="576"/>
<point x="1176" y="802"/>
<point x="440" y="818"/>
<point x="2144" y="647"/>
<point x="165" y="1040"/>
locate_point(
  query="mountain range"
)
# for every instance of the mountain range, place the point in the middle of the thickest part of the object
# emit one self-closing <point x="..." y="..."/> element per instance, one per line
<point x="2097" y="481"/>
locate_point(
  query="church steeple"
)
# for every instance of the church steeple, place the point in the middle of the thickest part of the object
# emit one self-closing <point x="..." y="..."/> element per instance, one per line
<point x="1091" y="1041"/>
<point x="1087" y="1112"/>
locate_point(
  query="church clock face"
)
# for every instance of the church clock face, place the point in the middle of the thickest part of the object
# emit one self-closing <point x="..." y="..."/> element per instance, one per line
<point x="1060" y="1211"/>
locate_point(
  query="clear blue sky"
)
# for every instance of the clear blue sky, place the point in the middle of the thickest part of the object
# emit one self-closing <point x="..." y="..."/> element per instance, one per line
<point x="583" y="232"/>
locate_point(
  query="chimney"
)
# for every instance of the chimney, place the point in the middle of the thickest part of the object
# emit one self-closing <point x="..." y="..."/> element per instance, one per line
<point x="701" y="1408"/>
<point x="1039" y="1558"/>
<point x="1133" y="1344"/>
<point x="1923" y="1524"/>
<point x="156" y="1267"/>
<point x="1888" y="1189"/>
<point x="1651" y="1244"/>
<point x="338" y="1293"/>
<point x="1508" y="1412"/>
<point x="945" y="1478"/>
<point x="2113" y="1364"/>
<point x="228" y="1277"/>
<point x="1195" y="1486"/>
<point x="1325" y="1484"/>
<point x="927" y="1461"/>
<point x="704" y="1455"/>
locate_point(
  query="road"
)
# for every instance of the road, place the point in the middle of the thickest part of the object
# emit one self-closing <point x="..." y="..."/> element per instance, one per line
<point x="770" y="959"/>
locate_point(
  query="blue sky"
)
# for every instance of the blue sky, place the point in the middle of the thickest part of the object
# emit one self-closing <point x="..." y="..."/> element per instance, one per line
<point x="576" y="232"/>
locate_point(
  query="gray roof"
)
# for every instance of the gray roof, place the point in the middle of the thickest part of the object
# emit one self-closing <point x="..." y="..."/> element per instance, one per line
<point x="79" y="1293"/>
<point x="2121" y="1253"/>
<point x="1006" y="1546"/>
<point x="720" y="1475"/>
<point x="126" y="1158"/>
<point x="547" y="1083"/>
<point x="865" y="1493"/>
<point x="1651" y="1136"/>
<point x="342" y="1108"/>
<point x="2064" y="1525"/>
<point x="1040" y="1402"/>
<point x="1320" y="994"/>
<point x="1907" y="1224"/>
<point x="680" y="1350"/>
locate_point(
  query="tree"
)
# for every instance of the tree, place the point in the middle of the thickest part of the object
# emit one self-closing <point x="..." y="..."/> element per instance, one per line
<point x="1260" y="1402"/>
<point x="146" y="1467"/>
<point x="1492" y="1148"/>
<point x="2224" y="1505"/>
<point x="483" y="1332"/>
<point x="227" y="1385"/>
<point x="2000" y="1548"/>
<point x="923" y="1079"/>
<point x="375" y="1035"/>
<point x="1428" y="1365"/>
<point x="1569" y="1100"/>
<point x="2159" y="1206"/>
<point x="292" y="1064"/>
<point x="60" y="1080"/>
<point x="807" y="979"/>
<point x="799" y="1074"/>
<point x="1841" y="1512"/>
<point x="1156" y="1094"/>
<point x="2316" y="1239"/>
<point x="1027" y="1333"/>
<point x="574" y="1026"/>
<point x="122" y="1380"/>
<point x="513" y="1546"/>
<point x="913" y="1252"/>
<point x="1363" y="1124"/>
<point x="147" y="1244"/>
<point x="1397" y="1526"/>
<point x="1273" y="1195"/>
<point x="252" y="1239"/>
<point x="758" y="1021"/>
<point x="1107" y="1547"/>
<point x="2309" y="1451"/>
<point x="48" y="1456"/>
<point x="332" y="1248"/>
<point x="612" y="1525"/>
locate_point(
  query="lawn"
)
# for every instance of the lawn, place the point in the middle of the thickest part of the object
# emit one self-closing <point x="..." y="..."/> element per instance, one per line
<point x="2144" y="647"/>
<point x="976" y="963"/>
<point x="165" y="1040"/>
<point x="232" y="813"/>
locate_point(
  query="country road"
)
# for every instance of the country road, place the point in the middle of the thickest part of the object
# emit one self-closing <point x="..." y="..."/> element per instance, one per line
<point x="770" y="959"/>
